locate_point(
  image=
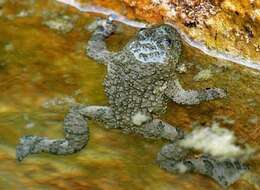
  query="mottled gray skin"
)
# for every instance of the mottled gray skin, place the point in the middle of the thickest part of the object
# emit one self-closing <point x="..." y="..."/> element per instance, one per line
<point x="225" y="172"/>
<point x="140" y="81"/>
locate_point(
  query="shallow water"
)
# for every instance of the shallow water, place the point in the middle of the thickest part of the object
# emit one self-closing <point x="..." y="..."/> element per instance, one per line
<point x="40" y="66"/>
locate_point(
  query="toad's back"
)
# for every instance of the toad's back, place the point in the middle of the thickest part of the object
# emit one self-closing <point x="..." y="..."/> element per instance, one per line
<point x="134" y="93"/>
<point x="138" y="76"/>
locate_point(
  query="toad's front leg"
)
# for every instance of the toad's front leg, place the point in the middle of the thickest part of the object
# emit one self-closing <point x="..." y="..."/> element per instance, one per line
<point x="96" y="47"/>
<point x="191" y="97"/>
<point x="75" y="130"/>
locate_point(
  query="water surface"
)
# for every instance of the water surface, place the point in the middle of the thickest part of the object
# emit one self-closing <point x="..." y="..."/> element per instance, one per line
<point x="40" y="66"/>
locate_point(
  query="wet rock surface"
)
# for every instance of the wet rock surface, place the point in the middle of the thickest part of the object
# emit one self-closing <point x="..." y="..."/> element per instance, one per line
<point x="228" y="26"/>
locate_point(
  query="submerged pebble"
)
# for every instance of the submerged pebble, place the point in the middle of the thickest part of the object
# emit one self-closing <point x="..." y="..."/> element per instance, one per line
<point x="30" y="125"/>
<point x="253" y="120"/>
<point x="2" y="2"/>
<point x="225" y="120"/>
<point x="203" y="75"/>
<point x="52" y="103"/>
<point x="182" y="68"/>
<point x="252" y="102"/>
<point x="60" y="23"/>
<point x="24" y="13"/>
<point x="9" y="47"/>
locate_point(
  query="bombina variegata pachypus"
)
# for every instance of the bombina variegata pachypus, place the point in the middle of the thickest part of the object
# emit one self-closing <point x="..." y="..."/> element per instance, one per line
<point x="140" y="81"/>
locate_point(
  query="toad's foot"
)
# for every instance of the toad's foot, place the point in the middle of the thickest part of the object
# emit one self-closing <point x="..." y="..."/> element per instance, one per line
<point x="159" y="130"/>
<point x="104" y="26"/>
<point x="34" y="144"/>
<point x="225" y="172"/>
<point x="76" y="133"/>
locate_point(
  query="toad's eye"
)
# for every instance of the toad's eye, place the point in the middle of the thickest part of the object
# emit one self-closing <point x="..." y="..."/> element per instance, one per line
<point x="143" y="33"/>
<point x="168" y="42"/>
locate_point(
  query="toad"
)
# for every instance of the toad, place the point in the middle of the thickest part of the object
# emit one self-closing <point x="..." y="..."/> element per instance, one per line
<point x="141" y="79"/>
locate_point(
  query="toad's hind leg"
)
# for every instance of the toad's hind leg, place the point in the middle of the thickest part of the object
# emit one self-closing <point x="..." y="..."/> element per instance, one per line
<point x="75" y="130"/>
<point x="160" y="130"/>
<point x="174" y="159"/>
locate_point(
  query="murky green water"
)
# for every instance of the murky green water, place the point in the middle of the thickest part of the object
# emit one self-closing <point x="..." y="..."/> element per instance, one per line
<point x="40" y="65"/>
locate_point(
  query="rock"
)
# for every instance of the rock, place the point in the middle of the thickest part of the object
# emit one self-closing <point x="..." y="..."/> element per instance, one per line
<point x="228" y="26"/>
